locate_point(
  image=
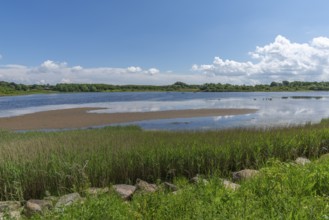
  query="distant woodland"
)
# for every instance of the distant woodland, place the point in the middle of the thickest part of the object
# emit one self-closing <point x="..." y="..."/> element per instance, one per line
<point x="11" y="88"/>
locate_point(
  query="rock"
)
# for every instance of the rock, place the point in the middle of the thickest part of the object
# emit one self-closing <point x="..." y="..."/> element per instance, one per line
<point x="9" y="205"/>
<point x="170" y="186"/>
<point x="94" y="191"/>
<point x="244" y="174"/>
<point x="31" y="208"/>
<point x="198" y="179"/>
<point x="145" y="186"/>
<point x="11" y="209"/>
<point x="36" y="206"/>
<point x="125" y="191"/>
<point x="68" y="199"/>
<point x="230" y="185"/>
<point x="302" y="161"/>
<point x="13" y="215"/>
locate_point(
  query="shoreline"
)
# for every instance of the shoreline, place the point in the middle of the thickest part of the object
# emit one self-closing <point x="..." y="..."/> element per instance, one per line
<point x="76" y="118"/>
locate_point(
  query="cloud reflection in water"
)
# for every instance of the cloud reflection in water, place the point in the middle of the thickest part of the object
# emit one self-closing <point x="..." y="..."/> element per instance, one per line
<point x="274" y="109"/>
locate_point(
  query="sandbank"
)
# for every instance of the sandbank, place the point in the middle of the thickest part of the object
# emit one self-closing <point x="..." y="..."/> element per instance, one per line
<point x="80" y="118"/>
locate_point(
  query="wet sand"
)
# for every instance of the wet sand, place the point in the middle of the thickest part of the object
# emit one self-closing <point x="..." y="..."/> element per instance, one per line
<point x="80" y="118"/>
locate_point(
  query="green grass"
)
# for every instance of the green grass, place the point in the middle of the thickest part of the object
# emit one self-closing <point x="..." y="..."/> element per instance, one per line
<point x="61" y="162"/>
<point x="281" y="191"/>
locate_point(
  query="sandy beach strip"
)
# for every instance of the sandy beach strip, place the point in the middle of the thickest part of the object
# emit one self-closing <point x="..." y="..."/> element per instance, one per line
<point x="80" y="118"/>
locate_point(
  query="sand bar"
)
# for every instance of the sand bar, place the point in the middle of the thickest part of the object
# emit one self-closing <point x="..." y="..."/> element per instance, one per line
<point x="80" y="118"/>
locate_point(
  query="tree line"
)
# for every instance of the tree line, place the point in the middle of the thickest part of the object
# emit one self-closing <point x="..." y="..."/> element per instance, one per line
<point x="8" y="88"/>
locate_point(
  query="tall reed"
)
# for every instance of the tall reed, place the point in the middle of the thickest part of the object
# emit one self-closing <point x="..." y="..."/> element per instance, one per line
<point x="35" y="162"/>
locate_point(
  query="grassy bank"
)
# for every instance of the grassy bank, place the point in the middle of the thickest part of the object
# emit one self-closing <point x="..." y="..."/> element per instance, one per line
<point x="60" y="162"/>
<point x="281" y="191"/>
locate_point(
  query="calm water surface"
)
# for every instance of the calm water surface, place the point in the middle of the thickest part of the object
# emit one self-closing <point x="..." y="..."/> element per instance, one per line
<point x="274" y="109"/>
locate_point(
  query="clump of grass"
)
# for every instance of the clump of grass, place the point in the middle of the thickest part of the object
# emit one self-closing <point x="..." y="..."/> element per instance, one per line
<point x="59" y="162"/>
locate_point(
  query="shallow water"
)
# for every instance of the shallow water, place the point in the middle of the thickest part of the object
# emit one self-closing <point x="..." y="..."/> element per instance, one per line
<point x="275" y="109"/>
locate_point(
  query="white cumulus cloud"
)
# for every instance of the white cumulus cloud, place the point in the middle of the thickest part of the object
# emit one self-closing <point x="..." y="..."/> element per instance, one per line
<point x="134" y="69"/>
<point x="60" y="72"/>
<point x="153" y="71"/>
<point x="51" y="66"/>
<point x="279" y="60"/>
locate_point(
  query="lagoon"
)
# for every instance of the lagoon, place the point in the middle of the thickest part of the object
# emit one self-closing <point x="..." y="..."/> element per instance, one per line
<point x="274" y="108"/>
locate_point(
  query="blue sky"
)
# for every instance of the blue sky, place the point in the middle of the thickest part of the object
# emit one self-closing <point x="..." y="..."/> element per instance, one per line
<point x="160" y="42"/>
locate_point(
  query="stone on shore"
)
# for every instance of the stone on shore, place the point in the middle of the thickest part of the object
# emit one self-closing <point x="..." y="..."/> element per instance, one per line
<point x="68" y="200"/>
<point x="171" y="187"/>
<point x="125" y="191"/>
<point x="302" y="161"/>
<point x="9" y="205"/>
<point x="145" y="186"/>
<point x="33" y="206"/>
<point x="230" y="185"/>
<point x="10" y="209"/>
<point x="198" y="179"/>
<point x="13" y="215"/>
<point x="244" y="174"/>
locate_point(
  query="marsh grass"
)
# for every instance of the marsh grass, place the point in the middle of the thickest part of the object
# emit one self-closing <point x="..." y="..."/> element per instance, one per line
<point x="59" y="162"/>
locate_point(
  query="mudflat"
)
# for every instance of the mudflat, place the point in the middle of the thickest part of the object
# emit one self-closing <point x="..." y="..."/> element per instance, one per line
<point x="80" y="118"/>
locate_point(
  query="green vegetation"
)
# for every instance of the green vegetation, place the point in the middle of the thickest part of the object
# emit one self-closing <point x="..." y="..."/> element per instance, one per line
<point x="12" y="88"/>
<point x="282" y="191"/>
<point x="7" y="88"/>
<point x="60" y="162"/>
